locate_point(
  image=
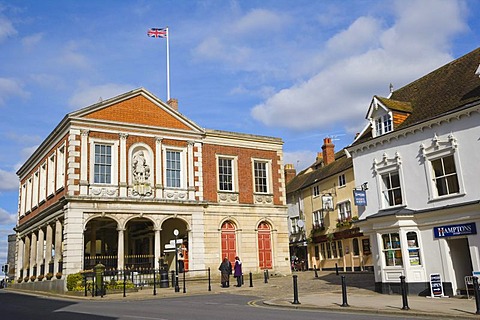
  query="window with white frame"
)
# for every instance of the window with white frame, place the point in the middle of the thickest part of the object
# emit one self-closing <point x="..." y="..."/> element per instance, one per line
<point x="392" y="191"/>
<point x="43" y="182"/>
<point x="60" y="167"/>
<point x="445" y="176"/>
<point x="51" y="175"/>
<point x="341" y="180"/>
<point x="173" y="169"/>
<point x="294" y="223"/>
<point x="355" y="247"/>
<point x="334" y="249"/>
<point x="389" y="176"/>
<point x="340" y="248"/>
<point x="322" y="250"/>
<point x="443" y="168"/>
<point x="29" y="195"/>
<point x="36" y="181"/>
<point x="392" y="249"/>
<point x="316" y="190"/>
<point x="344" y="210"/>
<point x="226" y="167"/>
<point x="318" y="219"/>
<point x="261" y="173"/>
<point x="102" y="165"/>
<point x="23" y="201"/>
<point x="383" y="124"/>
<point x="413" y="249"/>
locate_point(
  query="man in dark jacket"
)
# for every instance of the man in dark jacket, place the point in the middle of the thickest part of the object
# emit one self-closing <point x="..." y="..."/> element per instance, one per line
<point x="226" y="270"/>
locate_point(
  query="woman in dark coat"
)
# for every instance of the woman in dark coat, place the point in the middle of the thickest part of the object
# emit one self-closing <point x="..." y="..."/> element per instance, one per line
<point x="226" y="270"/>
<point x="237" y="273"/>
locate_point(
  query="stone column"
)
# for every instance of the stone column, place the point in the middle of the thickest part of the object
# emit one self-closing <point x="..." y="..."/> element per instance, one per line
<point x="158" y="168"/>
<point x="26" y="256"/>
<point x="191" y="180"/>
<point x="121" y="249"/>
<point x="48" y="245"/>
<point x="33" y="253"/>
<point x="20" y="257"/>
<point x="84" y="162"/>
<point x="123" y="165"/>
<point x="58" y="243"/>
<point x="158" y="249"/>
<point x="40" y="250"/>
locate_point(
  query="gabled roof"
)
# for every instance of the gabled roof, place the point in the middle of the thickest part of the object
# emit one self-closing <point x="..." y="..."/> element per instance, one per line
<point x="136" y="107"/>
<point x="305" y="180"/>
<point x="447" y="89"/>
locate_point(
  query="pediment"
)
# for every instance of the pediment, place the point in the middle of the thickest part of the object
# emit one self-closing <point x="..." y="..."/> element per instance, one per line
<point x="137" y="107"/>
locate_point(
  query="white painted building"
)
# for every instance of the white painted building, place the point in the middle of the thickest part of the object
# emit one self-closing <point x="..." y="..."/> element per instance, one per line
<point x="420" y="156"/>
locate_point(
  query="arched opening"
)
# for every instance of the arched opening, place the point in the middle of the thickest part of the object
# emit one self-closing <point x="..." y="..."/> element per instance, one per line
<point x="168" y="245"/>
<point x="264" y="246"/>
<point x="139" y="244"/>
<point x="101" y="243"/>
<point x="229" y="241"/>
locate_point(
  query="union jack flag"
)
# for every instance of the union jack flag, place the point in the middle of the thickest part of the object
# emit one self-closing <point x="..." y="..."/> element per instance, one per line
<point x="157" y="32"/>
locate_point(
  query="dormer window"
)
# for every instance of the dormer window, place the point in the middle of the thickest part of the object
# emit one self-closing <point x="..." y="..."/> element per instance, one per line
<point x="383" y="125"/>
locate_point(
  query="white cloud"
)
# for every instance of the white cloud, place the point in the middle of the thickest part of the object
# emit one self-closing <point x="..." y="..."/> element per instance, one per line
<point x="32" y="40"/>
<point x="88" y="95"/>
<point x="6" y="28"/>
<point x="259" y="21"/>
<point x="72" y="57"/>
<point x="7" y="219"/>
<point x="10" y="88"/>
<point x="8" y="181"/>
<point x="340" y="93"/>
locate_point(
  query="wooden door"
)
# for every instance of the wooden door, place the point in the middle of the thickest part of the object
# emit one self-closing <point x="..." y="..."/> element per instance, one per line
<point x="229" y="243"/>
<point x="264" y="246"/>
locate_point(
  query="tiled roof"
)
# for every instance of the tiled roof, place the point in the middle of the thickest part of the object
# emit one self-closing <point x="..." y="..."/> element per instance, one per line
<point x="396" y="105"/>
<point x="304" y="180"/>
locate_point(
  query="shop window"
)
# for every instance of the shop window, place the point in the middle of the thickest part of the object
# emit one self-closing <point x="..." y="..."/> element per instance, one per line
<point x="392" y="249"/>
<point x="334" y="249"/>
<point x="340" y="249"/>
<point x="356" y="248"/>
<point x="322" y="250"/>
<point x="317" y="253"/>
<point x="329" y="251"/>
<point x="366" y="246"/>
<point x="413" y="249"/>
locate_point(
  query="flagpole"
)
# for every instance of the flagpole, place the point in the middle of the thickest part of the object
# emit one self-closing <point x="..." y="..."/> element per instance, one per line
<point x="168" y="65"/>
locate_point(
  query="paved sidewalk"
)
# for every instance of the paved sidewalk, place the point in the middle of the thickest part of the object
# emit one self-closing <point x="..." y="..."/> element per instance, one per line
<point x="322" y="293"/>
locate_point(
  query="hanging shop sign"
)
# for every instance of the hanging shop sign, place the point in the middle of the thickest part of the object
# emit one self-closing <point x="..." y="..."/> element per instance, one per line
<point x="360" y="197"/>
<point x="455" y="230"/>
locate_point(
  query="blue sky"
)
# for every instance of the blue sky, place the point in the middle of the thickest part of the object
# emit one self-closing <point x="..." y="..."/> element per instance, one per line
<point x="299" y="70"/>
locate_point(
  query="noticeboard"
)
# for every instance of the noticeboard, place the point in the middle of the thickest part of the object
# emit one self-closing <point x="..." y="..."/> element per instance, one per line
<point x="436" y="286"/>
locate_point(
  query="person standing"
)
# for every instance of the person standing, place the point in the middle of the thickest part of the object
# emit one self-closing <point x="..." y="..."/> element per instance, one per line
<point x="226" y="270"/>
<point x="237" y="273"/>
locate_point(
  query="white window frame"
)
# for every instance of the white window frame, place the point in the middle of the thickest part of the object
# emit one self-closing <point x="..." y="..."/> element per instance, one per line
<point x="437" y="150"/>
<point x="316" y="190"/>
<point x="383" y="124"/>
<point x="392" y="248"/>
<point x="60" y="180"/>
<point x="23" y="200"/>
<point x="234" y="163"/>
<point x="51" y="174"/>
<point x="183" y="169"/>
<point x="36" y="182"/>
<point x="114" y="161"/>
<point x="43" y="182"/>
<point x="342" y="181"/>
<point x="268" y="177"/>
<point x="385" y="166"/>
<point x="28" y="206"/>
<point x="294" y="225"/>
<point x="318" y="218"/>
<point x="344" y="210"/>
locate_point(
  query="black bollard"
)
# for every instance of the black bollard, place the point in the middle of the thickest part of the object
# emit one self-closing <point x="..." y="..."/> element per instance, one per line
<point x="209" y="280"/>
<point x="265" y="276"/>
<point x="315" y="269"/>
<point x="295" y="290"/>
<point x="404" y="293"/>
<point x="124" y="283"/>
<point x="173" y="279"/>
<point x="184" y="288"/>
<point x="336" y="269"/>
<point x="154" y="283"/>
<point x="344" y="293"/>
<point x="477" y="294"/>
<point x="251" y="280"/>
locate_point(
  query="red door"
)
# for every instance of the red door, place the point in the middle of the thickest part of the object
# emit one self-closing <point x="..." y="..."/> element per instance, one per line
<point x="264" y="246"/>
<point x="229" y="244"/>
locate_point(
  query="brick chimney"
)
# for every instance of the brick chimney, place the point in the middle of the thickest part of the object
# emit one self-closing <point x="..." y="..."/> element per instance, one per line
<point x="290" y="172"/>
<point x="173" y="103"/>
<point x="328" y="151"/>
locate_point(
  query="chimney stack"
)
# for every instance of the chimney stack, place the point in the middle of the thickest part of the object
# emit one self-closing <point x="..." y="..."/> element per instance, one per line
<point x="173" y="103"/>
<point x="290" y="172"/>
<point x="328" y="151"/>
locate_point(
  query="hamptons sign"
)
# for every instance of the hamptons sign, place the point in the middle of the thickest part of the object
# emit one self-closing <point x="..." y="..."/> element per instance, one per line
<point x="455" y="230"/>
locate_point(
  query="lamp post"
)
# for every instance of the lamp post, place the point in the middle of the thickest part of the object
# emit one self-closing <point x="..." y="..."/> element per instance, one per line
<point x="177" y="288"/>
